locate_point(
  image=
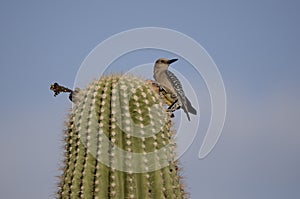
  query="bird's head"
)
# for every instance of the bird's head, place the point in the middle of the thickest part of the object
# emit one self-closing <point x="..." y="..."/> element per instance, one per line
<point x="164" y="62"/>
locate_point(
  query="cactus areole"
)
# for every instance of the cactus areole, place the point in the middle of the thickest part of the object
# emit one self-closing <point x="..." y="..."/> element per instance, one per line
<point x="119" y="143"/>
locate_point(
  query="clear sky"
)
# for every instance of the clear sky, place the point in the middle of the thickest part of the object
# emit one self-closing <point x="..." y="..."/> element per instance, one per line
<point x="255" y="45"/>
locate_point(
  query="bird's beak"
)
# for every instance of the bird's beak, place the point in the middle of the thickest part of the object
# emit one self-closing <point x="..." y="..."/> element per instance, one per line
<point x="172" y="61"/>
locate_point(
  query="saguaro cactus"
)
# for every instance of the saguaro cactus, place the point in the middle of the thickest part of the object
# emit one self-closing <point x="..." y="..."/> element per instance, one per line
<point x="119" y="143"/>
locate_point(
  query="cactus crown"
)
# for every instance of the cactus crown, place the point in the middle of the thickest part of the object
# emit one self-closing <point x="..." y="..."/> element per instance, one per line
<point x="119" y="143"/>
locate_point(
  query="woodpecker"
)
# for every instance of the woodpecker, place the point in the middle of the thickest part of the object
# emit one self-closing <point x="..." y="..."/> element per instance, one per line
<point x="171" y="87"/>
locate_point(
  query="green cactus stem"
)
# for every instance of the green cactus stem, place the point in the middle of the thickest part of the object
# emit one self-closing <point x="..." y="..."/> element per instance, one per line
<point x="119" y="144"/>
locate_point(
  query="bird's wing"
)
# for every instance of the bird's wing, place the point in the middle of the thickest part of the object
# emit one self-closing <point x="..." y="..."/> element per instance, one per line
<point x="179" y="91"/>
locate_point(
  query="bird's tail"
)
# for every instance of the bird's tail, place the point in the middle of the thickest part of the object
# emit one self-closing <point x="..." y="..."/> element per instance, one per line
<point x="187" y="114"/>
<point x="190" y="108"/>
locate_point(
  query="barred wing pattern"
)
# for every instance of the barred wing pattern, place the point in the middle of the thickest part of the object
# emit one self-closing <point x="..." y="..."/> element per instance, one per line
<point x="179" y="91"/>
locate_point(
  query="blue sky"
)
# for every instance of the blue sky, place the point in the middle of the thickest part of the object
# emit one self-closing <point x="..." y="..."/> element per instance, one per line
<point x="255" y="45"/>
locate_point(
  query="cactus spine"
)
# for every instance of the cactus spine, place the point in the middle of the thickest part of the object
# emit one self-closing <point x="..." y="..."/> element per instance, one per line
<point x="119" y="144"/>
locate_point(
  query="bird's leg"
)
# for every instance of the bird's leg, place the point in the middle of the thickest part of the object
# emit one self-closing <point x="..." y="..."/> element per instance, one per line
<point x="173" y="107"/>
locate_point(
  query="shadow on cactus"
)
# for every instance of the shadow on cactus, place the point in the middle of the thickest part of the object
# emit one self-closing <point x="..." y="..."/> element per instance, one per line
<point x="119" y="143"/>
